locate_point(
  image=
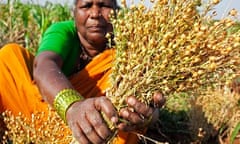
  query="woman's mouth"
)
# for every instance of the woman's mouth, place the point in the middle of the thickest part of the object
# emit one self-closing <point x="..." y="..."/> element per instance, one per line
<point x="96" y="28"/>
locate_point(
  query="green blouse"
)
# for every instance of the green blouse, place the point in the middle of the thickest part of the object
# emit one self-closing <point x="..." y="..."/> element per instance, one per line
<point x="62" y="38"/>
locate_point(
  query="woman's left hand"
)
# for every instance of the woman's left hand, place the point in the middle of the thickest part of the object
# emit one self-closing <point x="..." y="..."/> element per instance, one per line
<point x="139" y="115"/>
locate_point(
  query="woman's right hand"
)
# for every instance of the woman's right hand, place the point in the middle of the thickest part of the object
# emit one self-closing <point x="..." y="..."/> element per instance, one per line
<point x="85" y="120"/>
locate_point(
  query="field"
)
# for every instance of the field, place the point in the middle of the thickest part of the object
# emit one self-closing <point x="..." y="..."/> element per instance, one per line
<point x="195" y="112"/>
<point x="25" y="23"/>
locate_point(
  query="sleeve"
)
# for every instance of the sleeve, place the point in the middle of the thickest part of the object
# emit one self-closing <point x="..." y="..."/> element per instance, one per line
<point x="57" y="38"/>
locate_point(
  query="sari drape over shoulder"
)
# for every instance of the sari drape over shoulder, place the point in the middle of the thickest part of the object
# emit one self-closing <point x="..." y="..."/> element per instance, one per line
<point x="19" y="93"/>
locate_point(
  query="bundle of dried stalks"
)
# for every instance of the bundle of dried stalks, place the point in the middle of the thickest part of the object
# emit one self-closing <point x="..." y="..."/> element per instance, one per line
<point x="171" y="48"/>
<point x="176" y="46"/>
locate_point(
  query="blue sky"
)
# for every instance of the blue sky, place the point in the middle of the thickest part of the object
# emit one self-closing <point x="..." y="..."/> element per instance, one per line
<point x="222" y="8"/>
<point x="226" y="5"/>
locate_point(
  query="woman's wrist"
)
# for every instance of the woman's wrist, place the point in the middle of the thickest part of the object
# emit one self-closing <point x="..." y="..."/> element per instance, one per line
<point x="64" y="99"/>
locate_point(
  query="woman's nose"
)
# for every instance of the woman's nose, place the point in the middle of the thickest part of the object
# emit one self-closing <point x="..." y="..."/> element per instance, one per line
<point x="95" y="12"/>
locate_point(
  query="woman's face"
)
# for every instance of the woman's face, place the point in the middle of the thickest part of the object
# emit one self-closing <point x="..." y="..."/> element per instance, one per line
<point x="92" y="19"/>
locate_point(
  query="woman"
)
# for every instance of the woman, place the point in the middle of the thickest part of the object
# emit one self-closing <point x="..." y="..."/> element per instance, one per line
<point x="72" y="55"/>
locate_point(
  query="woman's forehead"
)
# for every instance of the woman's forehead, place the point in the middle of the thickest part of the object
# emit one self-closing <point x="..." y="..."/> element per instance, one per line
<point x="109" y="1"/>
<point x="112" y="2"/>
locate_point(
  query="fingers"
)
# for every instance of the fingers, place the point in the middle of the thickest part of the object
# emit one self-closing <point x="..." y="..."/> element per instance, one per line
<point x="131" y="116"/>
<point x="139" y="107"/>
<point x="158" y="100"/>
<point x="90" y="131"/>
<point x="138" y="114"/>
<point x="98" y="124"/>
<point x="104" y="105"/>
<point x="83" y="130"/>
<point x="134" y="121"/>
<point x="86" y="122"/>
<point x="127" y="127"/>
<point x="78" y="133"/>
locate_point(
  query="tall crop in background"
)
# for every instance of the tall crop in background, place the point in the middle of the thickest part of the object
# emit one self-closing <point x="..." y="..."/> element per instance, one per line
<point x="25" y="23"/>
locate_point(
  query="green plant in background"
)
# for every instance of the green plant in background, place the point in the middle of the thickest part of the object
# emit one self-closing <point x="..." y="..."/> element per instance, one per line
<point x="235" y="133"/>
<point x="25" y="23"/>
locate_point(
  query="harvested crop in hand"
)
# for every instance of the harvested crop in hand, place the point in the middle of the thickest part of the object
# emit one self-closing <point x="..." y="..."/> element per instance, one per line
<point x="171" y="47"/>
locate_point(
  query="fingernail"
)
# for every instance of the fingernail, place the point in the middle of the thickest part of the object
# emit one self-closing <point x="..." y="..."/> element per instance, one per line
<point x="114" y="119"/>
<point x="125" y="113"/>
<point x="131" y="101"/>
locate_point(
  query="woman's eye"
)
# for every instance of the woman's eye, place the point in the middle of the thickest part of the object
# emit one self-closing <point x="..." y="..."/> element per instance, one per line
<point x="108" y="6"/>
<point x="105" y="5"/>
<point x="88" y="5"/>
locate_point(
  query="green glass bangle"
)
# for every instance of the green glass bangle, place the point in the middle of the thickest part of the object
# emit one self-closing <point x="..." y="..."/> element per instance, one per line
<point x="64" y="100"/>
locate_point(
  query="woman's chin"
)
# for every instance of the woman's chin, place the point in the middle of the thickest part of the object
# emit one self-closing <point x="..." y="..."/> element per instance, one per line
<point x="98" y="38"/>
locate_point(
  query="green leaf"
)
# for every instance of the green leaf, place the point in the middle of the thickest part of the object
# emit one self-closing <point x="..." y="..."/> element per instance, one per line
<point x="235" y="133"/>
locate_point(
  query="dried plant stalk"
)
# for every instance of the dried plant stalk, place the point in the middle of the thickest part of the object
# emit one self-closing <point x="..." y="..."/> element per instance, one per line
<point x="171" y="48"/>
<point x="40" y="128"/>
<point x="221" y="108"/>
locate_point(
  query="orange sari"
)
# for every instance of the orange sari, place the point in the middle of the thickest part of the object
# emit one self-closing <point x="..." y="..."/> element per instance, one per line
<point x="19" y="93"/>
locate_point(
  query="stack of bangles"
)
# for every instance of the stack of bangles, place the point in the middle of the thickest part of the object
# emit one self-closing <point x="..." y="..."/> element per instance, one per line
<point x="64" y="99"/>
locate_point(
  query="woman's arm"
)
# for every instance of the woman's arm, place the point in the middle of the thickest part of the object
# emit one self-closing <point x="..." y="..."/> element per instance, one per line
<point x="83" y="116"/>
<point x="48" y="75"/>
